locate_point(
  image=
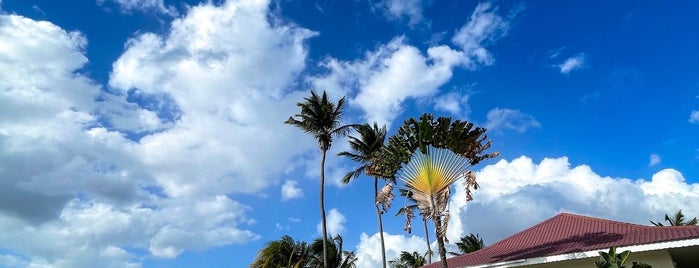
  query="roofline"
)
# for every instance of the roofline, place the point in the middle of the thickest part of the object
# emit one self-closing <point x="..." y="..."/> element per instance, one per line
<point x="588" y="254"/>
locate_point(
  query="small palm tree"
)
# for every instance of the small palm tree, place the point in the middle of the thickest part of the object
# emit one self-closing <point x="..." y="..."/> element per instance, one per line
<point x="321" y="117"/>
<point x="337" y="257"/>
<point x="364" y="149"/>
<point x="284" y="252"/>
<point x="429" y="157"/>
<point x="677" y="220"/>
<point x="468" y="244"/>
<point x="408" y="260"/>
<point x="612" y="260"/>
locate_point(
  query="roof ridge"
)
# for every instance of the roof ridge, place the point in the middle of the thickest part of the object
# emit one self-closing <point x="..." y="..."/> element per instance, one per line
<point x="608" y="220"/>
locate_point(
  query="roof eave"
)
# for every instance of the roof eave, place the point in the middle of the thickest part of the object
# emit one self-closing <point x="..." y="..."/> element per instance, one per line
<point x="590" y="253"/>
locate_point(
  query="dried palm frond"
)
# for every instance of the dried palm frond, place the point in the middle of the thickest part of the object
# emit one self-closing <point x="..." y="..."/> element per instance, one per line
<point x="385" y="197"/>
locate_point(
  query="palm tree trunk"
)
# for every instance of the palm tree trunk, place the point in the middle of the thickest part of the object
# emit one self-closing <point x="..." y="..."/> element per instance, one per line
<point x="378" y="213"/>
<point x="427" y="238"/>
<point x="322" y="210"/>
<point x="440" y="243"/>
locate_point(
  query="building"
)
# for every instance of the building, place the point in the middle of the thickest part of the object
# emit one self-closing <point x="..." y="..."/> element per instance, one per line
<point x="569" y="240"/>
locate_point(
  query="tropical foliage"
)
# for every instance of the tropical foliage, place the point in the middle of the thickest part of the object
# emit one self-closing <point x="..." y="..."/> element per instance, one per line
<point x="364" y="149"/>
<point x="468" y="244"/>
<point x="321" y="117"/>
<point x="612" y="260"/>
<point x="408" y="260"/>
<point x="429" y="157"/>
<point x="286" y="252"/>
<point x="677" y="220"/>
<point x="409" y="212"/>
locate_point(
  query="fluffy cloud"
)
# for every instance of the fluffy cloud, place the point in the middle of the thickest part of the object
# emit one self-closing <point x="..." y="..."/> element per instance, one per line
<point x="694" y="117"/>
<point x="290" y="191"/>
<point x="334" y="223"/>
<point x="530" y="192"/>
<point x="128" y="6"/>
<point x="78" y="190"/>
<point x="454" y="103"/>
<point x="573" y="63"/>
<point x="396" y="9"/>
<point x="654" y="160"/>
<point x="395" y="72"/>
<point x="369" y="248"/>
<point x="502" y="118"/>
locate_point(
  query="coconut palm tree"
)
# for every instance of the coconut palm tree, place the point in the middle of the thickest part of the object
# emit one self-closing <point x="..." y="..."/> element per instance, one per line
<point x="429" y="157"/>
<point x="677" y="220"/>
<point x="337" y="257"/>
<point x="409" y="212"/>
<point x="468" y="244"/>
<point x="321" y="117"/>
<point x="284" y="252"/>
<point x="364" y="147"/>
<point x="408" y="260"/>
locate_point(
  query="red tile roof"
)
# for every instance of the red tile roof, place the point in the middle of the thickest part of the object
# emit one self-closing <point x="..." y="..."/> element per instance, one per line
<point x="568" y="233"/>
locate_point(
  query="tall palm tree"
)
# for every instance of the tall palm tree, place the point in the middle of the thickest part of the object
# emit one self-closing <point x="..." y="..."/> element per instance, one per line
<point x="321" y="117"/>
<point x="409" y="212"/>
<point x="429" y="157"/>
<point x="337" y="257"/>
<point x="468" y="244"/>
<point x="364" y="148"/>
<point x="284" y="252"/>
<point x="408" y="260"/>
<point x="677" y="220"/>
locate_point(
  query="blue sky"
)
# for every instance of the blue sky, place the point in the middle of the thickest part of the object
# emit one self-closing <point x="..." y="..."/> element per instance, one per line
<point x="150" y="133"/>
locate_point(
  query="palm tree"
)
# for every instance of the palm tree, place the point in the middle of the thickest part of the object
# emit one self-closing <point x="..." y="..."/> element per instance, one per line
<point x="409" y="212"/>
<point x="337" y="257"/>
<point x="408" y="260"/>
<point x="321" y="117"/>
<point x="468" y="244"/>
<point x="364" y="148"/>
<point x="677" y="220"/>
<point x="284" y="252"/>
<point x="429" y="157"/>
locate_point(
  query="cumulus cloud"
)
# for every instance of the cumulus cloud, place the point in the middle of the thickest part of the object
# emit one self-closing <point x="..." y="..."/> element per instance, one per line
<point x="503" y="118"/>
<point x="531" y="192"/>
<point x="694" y="117"/>
<point x="290" y="191"/>
<point x="129" y="6"/>
<point x="368" y="250"/>
<point x="454" y="103"/>
<point x="654" y="160"/>
<point x="334" y="223"/>
<point x="393" y="73"/>
<point x="573" y="63"/>
<point x="397" y="9"/>
<point x="79" y="191"/>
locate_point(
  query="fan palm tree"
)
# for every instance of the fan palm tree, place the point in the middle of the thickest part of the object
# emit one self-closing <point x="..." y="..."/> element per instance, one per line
<point x="677" y="220"/>
<point x="408" y="260"/>
<point x="468" y="244"/>
<point x="409" y="212"/>
<point x="337" y="257"/>
<point x="321" y="117"/>
<point x="429" y="157"/>
<point x="364" y="147"/>
<point x="284" y="252"/>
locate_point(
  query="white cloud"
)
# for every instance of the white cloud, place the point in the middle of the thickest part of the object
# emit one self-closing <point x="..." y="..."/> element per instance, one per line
<point x="334" y="223"/>
<point x="290" y="191"/>
<point x="128" y="6"/>
<point x="454" y="103"/>
<point x="529" y="192"/>
<point x="573" y="63"/>
<point x="502" y="118"/>
<point x="397" y="9"/>
<point x="694" y="117"/>
<point x="369" y="248"/>
<point x="654" y="160"/>
<point x="396" y="72"/>
<point x="80" y="193"/>
<point x="484" y="27"/>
